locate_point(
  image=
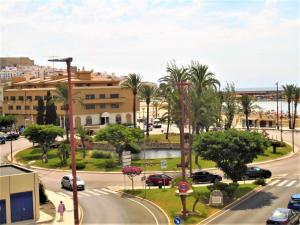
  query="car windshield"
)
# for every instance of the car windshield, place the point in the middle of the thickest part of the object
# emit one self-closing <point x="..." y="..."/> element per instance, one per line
<point x="277" y="214"/>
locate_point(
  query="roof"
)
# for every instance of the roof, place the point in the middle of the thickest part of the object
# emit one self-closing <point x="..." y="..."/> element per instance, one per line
<point x="9" y="169"/>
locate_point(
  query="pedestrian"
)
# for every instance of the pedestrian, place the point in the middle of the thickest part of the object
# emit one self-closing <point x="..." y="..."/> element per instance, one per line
<point x="61" y="209"/>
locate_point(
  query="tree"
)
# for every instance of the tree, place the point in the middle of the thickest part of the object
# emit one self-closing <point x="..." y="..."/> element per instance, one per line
<point x="247" y="106"/>
<point x="230" y="104"/>
<point x="119" y="136"/>
<point x="82" y="134"/>
<point x="230" y="149"/>
<point x="133" y="81"/>
<point x="51" y="115"/>
<point x="289" y="91"/>
<point x="8" y="120"/>
<point x="40" y="119"/>
<point x="296" y="99"/>
<point x="63" y="151"/>
<point x="44" y="135"/>
<point x="147" y="92"/>
<point x="131" y="172"/>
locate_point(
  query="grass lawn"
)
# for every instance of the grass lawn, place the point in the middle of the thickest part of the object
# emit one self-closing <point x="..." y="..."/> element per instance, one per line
<point x="161" y="138"/>
<point x="171" y="204"/>
<point x="93" y="164"/>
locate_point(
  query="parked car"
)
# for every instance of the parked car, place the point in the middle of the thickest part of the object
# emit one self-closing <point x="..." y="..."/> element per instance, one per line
<point x="283" y="216"/>
<point x="294" y="202"/>
<point x="2" y="139"/>
<point x="256" y="172"/>
<point x="12" y="136"/>
<point x="156" y="123"/>
<point x="67" y="182"/>
<point x="204" y="176"/>
<point x="158" y="179"/>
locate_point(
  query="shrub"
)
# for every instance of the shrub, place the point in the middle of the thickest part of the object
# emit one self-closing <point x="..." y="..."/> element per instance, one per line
<point x="101" y="155"/>
<point x="260" y="181"/>
<point x="133" y="148"/>
<point x="231" y="189"/>
<point x="217" y="186"/>
<point x="79" y="165"/>
<point x="43" y="196"/>
<point x="228" y="189"/>
<point x="110" y="163"/>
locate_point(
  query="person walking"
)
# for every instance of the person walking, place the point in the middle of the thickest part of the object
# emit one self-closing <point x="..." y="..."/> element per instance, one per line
<point x="61" y="209"/>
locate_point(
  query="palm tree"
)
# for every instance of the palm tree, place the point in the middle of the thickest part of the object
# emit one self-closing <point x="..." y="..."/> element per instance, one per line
<point x="82" y="134"/>
<point x="165" y="91"/>
<point x="247" y="106"/>
<point x="133" y="81"/>
<point x="296" y="99"/>
<point x="289" y="91"/>
<point x="147" y="92"/>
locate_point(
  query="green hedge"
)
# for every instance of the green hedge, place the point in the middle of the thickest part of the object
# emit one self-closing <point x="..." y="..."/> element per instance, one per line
<point x="101" y="155"/>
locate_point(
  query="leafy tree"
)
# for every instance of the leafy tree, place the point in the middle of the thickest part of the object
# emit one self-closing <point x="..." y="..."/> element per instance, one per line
<point x="7" y="120"/>
<point x="247" y="106"/>
<point x="230" y="104"/>
<point x="45" y="135"/>
<point x="296" y="99"/>
<point x="133" y="81"/>
<point x="63" y="152"/>
<point x="230" y="149"/>
<point x="199" y="196"/>
<point x="147" y="92"/>
<point x="289" y="91"/>
<point x="82" y="134"/>
<point x="51" y="115"/>
<point x="40" y="112"/>
<point x="119" y="136"/>
<point x="131" y="172"/>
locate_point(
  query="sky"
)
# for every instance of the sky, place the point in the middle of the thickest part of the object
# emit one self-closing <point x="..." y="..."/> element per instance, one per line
<point x="250" y="43"/>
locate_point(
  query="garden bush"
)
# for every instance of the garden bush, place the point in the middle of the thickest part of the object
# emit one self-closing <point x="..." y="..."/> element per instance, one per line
<point x="101" y="155"/>
<point x="260" y="181"/>
<point x="79" y="165"/>
<point x="228" y="189"/>
<point x="110" y="163"/>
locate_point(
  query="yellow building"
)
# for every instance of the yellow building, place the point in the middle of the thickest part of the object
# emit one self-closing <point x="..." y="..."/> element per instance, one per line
<point x="19" y="195"/>
<point x="100" y="99"/>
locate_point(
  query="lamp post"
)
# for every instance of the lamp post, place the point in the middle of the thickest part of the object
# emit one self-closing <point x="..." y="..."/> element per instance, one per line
<point x="277" y="119"/>
<point x="72" y="140"/>
<point x="11" y="147"/>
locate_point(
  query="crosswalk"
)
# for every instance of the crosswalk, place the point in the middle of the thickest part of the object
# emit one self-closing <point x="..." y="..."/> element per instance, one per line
<point x="285" y="183"/>
<point x="88" y="193"/>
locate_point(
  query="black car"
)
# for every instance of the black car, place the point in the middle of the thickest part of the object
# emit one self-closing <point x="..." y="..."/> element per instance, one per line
<point x="256" y="172"/>
<point x="12" y="136"/>
<point x="2" y="139"/>
<point x="283" y="216"/>
<point x="204" y="176"/>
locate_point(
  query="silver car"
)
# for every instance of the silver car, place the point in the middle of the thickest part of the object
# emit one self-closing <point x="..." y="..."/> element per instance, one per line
<point x="67" y="182"/>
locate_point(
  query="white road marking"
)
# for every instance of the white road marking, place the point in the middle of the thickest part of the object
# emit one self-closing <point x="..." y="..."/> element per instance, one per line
<point x="85" y="194"/>
<point x="91" y="192"/>
<point x="274" y="182"/>
<point x="282" y="183"/>
<point x="105" y="189"/>
<point x="291" y="183"/>
<point x="102" y="192"/>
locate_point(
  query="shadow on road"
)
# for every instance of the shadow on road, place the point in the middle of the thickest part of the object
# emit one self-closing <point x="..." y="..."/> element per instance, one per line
<point x="262" y="199"/>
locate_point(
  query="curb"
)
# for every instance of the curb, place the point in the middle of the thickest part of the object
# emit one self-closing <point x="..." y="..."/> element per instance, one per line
<point x="232" y="204"/>
<point x="166" y="215"/>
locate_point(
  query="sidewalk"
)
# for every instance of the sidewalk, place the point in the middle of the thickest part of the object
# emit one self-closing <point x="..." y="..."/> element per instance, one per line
<point x="68" y="215"/>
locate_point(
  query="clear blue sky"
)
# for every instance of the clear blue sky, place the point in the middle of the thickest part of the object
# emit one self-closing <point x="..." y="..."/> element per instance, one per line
<point x="251" y="43"/>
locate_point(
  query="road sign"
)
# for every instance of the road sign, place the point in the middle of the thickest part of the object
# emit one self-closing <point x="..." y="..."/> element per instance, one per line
<point x="183" y="187"/>
<point x="177" y="220"/>
<point x="163" y="164"/>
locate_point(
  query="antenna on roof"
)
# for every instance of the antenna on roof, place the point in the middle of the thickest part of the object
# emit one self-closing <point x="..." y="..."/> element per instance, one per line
<point x="53" y="57"/>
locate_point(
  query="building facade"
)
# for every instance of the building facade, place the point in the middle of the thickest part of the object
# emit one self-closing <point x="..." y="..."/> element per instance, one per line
<point x="98" y="99"/>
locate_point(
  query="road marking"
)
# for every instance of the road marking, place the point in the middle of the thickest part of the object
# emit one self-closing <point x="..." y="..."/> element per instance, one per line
<point x="156" y="221"/>
<point x="105" y="189"/>
<point x="102" y="192"/>
<point x="282" y="183"/>
<point x="291" y="183"/>
<point x="85" y="194"/>
<point x="274" y="182"/>
<point x="93" y="193"/>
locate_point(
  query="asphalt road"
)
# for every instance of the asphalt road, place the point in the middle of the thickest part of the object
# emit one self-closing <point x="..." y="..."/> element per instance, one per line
<point x="256" y="209"/>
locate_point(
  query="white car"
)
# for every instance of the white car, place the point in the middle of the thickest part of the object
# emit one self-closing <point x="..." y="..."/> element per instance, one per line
<point x="67" y="182"/>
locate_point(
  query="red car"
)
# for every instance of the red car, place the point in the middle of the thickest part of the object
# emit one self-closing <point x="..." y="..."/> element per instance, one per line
<point x="158" y="179"/>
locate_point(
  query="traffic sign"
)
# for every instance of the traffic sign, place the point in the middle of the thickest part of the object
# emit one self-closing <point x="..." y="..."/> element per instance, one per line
<point x="183" y="186"/>
<point x="177" y="220"/>
<point x="163" y="164"/>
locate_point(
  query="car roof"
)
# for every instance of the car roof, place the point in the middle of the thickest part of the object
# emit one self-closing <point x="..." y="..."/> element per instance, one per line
<point x="296" y="196"/>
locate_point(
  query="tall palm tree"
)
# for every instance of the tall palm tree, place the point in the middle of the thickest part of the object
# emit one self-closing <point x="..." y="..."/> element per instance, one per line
<point x="289" y="91"/>
<point x="164" y="92"/>
<point x="133" y="81"/>
<point x="296" y="99"/>
<point x="147" y="92"/>
<point x="247" y="106"/>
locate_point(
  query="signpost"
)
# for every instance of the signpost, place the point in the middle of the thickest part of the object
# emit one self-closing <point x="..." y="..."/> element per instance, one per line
<point x="126" y="158"/>
<point x="183" y="187"/>
<point x="216" y="198"/>
<point x="177" y="220"/>
<point x="163" y="164"/>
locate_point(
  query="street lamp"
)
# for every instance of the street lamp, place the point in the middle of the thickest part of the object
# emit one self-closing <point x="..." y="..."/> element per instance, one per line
<point x="72" y="140"/>
<point x="11" y="147"/>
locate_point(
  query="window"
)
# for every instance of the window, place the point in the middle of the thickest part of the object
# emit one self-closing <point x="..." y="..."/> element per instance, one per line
<point x="118" y="119"/>
<point x="29" y="98"/>
<point x="89" y="96"/>
<point x="18" y="107"/>
<point x="114" y="106"/>
<point x="21" y="98"/>
<point x="109" y="84"/>
<point x="35" y="107"/>
<point x="114" y="95"/>
<point x="90" y="106"/>
<point x="13" y="98"/>
<point x="10" y="107"/>
<point x="101" y="96"/>
<point x="102" y="105"/>
<point x="38" y="97"/>
<point x="27" y="107"/>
